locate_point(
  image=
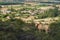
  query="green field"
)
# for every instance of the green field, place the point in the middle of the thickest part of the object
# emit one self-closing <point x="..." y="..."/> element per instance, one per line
<point x="25" y="22"/>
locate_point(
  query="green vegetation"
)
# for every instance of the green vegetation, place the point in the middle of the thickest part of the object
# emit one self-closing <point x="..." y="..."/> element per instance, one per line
<point x="6" y="3"/>
<point x="50" y="13"/>
<point x="55" y="30"/>
<point x="16" y="29"/>
<point x="12" y="28"/>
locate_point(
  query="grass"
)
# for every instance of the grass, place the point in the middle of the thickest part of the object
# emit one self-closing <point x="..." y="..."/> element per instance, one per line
<point x="30" y="7"/>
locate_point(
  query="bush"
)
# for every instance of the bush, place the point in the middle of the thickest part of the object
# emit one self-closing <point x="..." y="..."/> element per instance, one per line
<point x="55" y="30"/>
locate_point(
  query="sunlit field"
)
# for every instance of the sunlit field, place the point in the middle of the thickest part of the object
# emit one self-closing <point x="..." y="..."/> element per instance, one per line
<point x="30" y="22"/>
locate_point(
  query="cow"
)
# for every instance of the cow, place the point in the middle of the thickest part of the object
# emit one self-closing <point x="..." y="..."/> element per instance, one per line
<point x="42" y="27"/>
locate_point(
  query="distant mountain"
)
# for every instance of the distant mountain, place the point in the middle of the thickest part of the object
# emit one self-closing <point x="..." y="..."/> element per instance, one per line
<point x="28" y="0"/>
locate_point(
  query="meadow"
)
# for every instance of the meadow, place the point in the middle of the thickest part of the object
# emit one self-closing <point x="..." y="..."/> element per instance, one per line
<point x="29" y="22"/>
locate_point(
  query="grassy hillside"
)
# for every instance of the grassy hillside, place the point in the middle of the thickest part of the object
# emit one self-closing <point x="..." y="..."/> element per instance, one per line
<point x="19" y="22"/>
